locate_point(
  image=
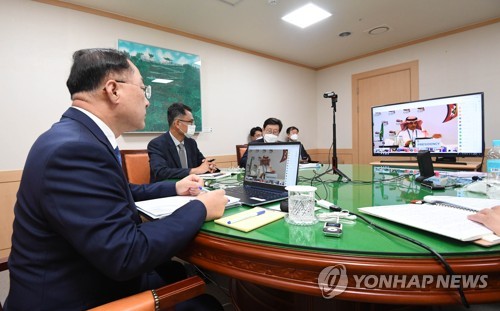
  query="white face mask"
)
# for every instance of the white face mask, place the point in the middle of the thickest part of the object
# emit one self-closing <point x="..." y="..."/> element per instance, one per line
<point x="270" y="138"/>
<point x="294" y="137"/>
<point x="190" y="131"/>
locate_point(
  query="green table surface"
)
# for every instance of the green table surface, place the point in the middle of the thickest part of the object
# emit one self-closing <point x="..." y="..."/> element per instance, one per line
<point x="358" y="238"/>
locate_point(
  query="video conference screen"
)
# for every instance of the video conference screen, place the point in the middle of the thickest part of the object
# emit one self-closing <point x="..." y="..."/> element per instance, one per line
<point x="446" y="126"/>
<point x="274" y="164"/>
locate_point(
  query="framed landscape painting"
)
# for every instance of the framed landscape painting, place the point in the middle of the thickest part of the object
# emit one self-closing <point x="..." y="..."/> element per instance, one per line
<point x="174" y="77"/>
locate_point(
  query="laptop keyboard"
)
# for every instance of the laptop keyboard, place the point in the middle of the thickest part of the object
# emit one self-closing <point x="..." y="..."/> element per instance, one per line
<point x="258" y="193"/>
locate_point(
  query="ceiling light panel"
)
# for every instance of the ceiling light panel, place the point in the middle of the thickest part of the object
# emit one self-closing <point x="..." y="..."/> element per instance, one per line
<point x="306" y="16"/>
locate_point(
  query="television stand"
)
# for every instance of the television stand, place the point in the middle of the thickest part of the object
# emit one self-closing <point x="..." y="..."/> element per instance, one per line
<point x="398" y="161"/>
<point x="449" y="163"/>
<point x="448" y="160"/>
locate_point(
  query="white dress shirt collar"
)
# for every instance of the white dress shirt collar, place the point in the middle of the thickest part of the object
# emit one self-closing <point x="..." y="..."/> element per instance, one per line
<point x="176" y="142"/>
<point x="104" y="128"/>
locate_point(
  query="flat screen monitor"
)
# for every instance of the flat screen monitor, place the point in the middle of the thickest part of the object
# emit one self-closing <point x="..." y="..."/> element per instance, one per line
<point x="448" y="127"/>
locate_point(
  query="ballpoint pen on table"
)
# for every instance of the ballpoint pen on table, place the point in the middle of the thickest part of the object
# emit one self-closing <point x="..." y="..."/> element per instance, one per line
<point x="243" y="217"/>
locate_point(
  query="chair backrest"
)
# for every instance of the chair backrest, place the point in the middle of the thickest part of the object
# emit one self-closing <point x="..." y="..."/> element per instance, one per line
<point x="240" y="151"/>
<point x="3" y="267"/>
<point x="135" y="164"/>
<point x="163" y="298"/>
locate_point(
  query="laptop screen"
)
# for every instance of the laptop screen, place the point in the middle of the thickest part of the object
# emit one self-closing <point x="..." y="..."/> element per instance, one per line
<point x="273" y="165"/>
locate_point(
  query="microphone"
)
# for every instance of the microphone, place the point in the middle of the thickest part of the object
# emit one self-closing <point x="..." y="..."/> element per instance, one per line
<point x="330" y="95"/>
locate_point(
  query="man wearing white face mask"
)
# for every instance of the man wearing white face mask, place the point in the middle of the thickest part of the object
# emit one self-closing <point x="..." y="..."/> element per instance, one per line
<point x="271" y="130"/>
<point x="293" y="135"/>
<point x="175" y="154"/>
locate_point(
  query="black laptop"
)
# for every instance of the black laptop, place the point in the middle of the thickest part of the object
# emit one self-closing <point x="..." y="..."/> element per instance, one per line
<point x="270" y="168"/>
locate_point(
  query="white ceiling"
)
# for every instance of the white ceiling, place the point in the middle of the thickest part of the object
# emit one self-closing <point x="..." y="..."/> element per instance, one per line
<point x="256" y="25"/>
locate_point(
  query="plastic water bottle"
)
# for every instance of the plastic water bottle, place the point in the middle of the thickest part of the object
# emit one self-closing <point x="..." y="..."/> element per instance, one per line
<point x="493" y="170"/>
<point x="493" y="158"/>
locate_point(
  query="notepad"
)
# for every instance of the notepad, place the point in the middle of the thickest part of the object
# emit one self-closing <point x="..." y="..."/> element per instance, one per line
<point x="250" y="223"/>
<point x="162" y="207"/>
<point x="444" y="215"/>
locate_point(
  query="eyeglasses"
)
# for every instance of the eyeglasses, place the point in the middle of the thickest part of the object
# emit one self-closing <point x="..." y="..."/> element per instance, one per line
<point x="269" y="131"/>
<point x="412" y="122"/>
<point x="190" y="122"/>
<point x="146" y="89"/>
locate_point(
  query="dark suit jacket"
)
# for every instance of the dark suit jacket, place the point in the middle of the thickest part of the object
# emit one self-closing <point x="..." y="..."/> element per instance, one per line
<point x="78" y="241"/>
<point x="164" y="158"/>
<point x="304" y="156"/>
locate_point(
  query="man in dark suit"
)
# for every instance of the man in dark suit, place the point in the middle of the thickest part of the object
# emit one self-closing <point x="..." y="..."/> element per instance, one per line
<point x="175" y="154"/>
<point x="272" y="128"/>
<point x="78" y="241"/>
<point x="292" y="134"/>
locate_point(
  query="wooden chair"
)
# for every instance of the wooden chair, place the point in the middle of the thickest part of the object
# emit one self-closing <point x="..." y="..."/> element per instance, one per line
<point x="3" y="267"/>
<point x="135" y="164"/>
<point x="240" y="151"/>
<point x="164" y="298"/>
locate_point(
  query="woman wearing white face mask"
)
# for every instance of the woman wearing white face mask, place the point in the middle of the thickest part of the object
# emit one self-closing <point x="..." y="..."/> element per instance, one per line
<point x="271" y="130"/>
<point x="175" y="154"/>
<point x="293" y="135"/>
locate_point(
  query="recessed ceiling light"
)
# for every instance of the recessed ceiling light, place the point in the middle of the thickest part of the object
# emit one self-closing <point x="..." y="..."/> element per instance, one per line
<point x="306" y="16"/>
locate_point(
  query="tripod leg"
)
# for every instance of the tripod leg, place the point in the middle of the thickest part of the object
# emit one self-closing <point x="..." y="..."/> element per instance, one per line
<point x="339" y="172"/>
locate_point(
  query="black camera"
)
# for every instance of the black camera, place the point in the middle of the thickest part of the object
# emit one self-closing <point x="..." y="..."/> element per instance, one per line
<point x="330" y="95"/>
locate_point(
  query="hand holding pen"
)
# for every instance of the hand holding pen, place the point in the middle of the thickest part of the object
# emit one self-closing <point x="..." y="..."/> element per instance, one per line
<point x="215" y="202"/>
<point x="189" y="185"/>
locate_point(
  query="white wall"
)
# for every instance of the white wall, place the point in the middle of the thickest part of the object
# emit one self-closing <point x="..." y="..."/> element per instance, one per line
<point x="239" y="90"/>
<point x="462" y="63"/>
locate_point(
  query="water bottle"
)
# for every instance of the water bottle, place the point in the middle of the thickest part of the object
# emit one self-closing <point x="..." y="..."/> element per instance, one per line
<point x="493" y="158"/>
<point x="493" y="171"/>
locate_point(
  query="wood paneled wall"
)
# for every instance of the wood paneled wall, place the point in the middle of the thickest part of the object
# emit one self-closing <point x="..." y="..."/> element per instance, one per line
<point x="322" y="155"/>
<point x="9" y="183"/>
<point x="10" y="180"/>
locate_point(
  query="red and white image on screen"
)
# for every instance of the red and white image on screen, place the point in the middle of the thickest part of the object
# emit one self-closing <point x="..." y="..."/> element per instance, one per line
<point x="424" y="128"/>
<point x="267" y="166"/>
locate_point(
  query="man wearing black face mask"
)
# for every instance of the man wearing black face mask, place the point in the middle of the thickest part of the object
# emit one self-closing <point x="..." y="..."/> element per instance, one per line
<point x="175" y="154"/>
<point x="271" y="130"/>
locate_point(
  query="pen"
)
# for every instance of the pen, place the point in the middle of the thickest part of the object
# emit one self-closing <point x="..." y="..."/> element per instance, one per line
<point x="245" y="217"/>
<point x="203" y="189"/>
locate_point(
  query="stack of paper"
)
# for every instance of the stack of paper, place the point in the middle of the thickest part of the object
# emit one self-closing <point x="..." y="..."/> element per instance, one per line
<point x="210" y="176"/>
<point x="444" y="215"/>
<point x="162" y="207"/>
<point x="310" y="166"/>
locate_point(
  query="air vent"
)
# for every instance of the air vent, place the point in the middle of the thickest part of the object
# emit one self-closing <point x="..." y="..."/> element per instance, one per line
<point x="231" y="2"/>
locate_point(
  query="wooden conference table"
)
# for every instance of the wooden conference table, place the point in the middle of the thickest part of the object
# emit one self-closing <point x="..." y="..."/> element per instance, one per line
<point x="277" y="266"/>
